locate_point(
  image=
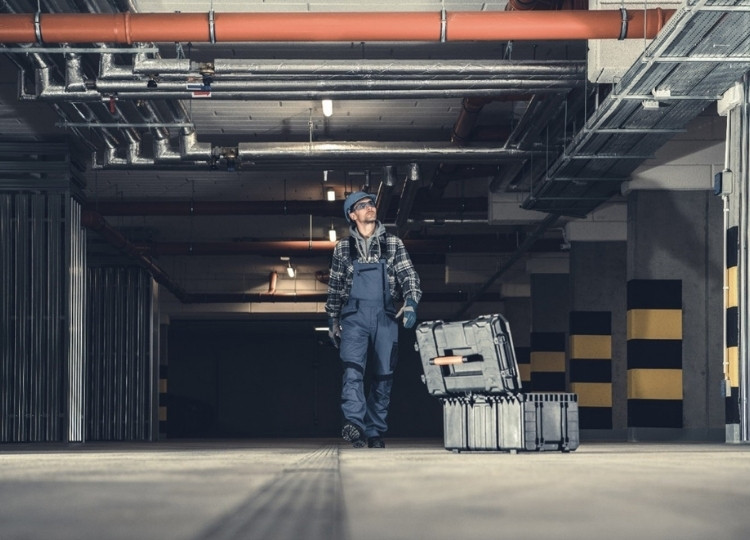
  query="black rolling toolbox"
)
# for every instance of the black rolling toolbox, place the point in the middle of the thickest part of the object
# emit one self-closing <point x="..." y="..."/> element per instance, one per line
<point x="471" y="366"/>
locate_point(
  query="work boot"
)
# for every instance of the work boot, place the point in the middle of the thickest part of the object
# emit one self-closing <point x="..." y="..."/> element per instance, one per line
<point x="375" y="442"/>
<point x="354" y="434"/>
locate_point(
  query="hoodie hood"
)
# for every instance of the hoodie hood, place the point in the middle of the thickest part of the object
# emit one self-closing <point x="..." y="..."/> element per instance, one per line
<point x="364" y="244"/>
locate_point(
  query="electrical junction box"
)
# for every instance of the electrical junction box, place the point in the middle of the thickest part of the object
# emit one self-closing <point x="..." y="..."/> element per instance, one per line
<point x="723" y="182"/>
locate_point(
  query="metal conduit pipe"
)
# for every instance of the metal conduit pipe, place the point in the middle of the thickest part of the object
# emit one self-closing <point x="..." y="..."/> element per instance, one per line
<point x="361" y="150"/>
<point x="83" y="110"/>
<point x="338" y="85"/>
<point x="302" y="154"/>
<point x="163" y="151"/>
<point x="129" y="28"/>
<point x="313" y="80"/>
<point x="74" y="81"/>
<point x="305" y="153"/>
<point x="171" y="68"/>
<point x="57" y="93"/>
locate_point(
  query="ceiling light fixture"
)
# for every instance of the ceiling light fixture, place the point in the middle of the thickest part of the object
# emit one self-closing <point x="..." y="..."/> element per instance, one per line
<point x="332" y="234"/>
<point x="327" y="107"/>
<point x="331" y="194"/>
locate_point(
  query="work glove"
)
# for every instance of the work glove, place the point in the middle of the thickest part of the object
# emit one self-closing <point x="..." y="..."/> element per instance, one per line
<point x="410" y="313"/>
<point x="334" y="331"/>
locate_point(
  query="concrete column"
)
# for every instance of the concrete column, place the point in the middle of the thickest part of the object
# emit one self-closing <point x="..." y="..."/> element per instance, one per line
<point x="550" y="305"/>
<point x="672" y="236"/>
<point x="598" y="272"/>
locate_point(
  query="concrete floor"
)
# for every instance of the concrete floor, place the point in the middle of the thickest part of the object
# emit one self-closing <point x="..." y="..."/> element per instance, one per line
<point x="414" y="489"/>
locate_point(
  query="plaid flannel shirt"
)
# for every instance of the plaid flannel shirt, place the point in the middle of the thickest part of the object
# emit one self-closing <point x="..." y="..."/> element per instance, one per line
<point x="402" y="277"/>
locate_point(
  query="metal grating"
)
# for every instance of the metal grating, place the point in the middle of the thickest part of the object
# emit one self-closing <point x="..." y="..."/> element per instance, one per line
<point x="701" y="52"/>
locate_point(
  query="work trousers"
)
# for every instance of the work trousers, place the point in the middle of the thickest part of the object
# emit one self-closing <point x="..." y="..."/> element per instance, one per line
<point x="368" y="325"/>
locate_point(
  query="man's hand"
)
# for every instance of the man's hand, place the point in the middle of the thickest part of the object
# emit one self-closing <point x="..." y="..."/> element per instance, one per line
<point x="410" y="313"/>
<point x="334" y="331"/>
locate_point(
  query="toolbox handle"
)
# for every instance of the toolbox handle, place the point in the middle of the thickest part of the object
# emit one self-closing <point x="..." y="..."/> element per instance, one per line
<point x="448" y="360"/>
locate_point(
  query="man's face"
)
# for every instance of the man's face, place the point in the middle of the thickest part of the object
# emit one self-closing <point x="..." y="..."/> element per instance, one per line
<point x="363" y="211"/>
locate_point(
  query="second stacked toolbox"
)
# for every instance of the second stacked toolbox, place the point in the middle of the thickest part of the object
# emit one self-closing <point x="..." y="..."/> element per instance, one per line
<point x="471" y="367"/>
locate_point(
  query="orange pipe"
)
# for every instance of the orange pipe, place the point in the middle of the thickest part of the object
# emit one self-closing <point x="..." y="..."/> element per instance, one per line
<point x="551" y="5"/>
<point x="551" y="25"/>
<point x="273" y="277"/>
<point x="262" y="27"/>
<point x="17" y="28"/>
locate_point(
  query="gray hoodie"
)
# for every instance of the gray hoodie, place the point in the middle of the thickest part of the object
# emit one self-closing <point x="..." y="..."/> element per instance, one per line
<point x="364" y="244"/>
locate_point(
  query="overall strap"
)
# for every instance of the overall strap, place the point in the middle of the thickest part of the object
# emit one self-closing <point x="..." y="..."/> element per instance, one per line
<point x="353" y="249"/>
<point x="354" y="255"/>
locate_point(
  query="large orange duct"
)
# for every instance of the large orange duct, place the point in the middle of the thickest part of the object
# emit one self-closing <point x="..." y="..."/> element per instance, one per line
<point x="264" y="27"/>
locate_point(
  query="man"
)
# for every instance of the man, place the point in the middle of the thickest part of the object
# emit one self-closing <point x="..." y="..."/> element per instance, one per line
<point x="370" y="272"/>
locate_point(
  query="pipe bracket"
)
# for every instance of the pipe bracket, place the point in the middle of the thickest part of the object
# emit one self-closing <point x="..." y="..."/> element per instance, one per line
<point x="211" y="26"/>
<point x="443" y="25"/>
<point x="38" y="27"/>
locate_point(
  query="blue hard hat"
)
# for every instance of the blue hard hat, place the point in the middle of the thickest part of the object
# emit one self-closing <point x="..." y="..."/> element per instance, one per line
<point x="353" y="199"/>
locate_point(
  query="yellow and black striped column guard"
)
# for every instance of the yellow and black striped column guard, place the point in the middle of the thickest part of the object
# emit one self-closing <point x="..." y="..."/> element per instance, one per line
<point x="548" y="362"/>
<point x="654" y="351"/>
<point x="732" y="368"/>
<point x="590" y="367"/>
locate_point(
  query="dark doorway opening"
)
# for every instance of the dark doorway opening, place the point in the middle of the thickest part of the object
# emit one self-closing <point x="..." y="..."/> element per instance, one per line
<point x="238" y="379"/>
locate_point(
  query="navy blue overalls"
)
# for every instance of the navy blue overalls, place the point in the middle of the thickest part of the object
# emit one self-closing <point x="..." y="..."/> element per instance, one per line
<point x="367" y="318"/>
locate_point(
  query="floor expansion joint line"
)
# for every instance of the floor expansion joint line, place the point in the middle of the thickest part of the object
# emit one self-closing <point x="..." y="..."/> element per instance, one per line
<point x="304" y="500"/>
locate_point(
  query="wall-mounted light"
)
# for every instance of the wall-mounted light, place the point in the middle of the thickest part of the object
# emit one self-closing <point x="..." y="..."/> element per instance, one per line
<point x="332" y="234"/>
<point x="327" y="107"/>
<point x="289" y="269"/>
<point x="330" y="194"/>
